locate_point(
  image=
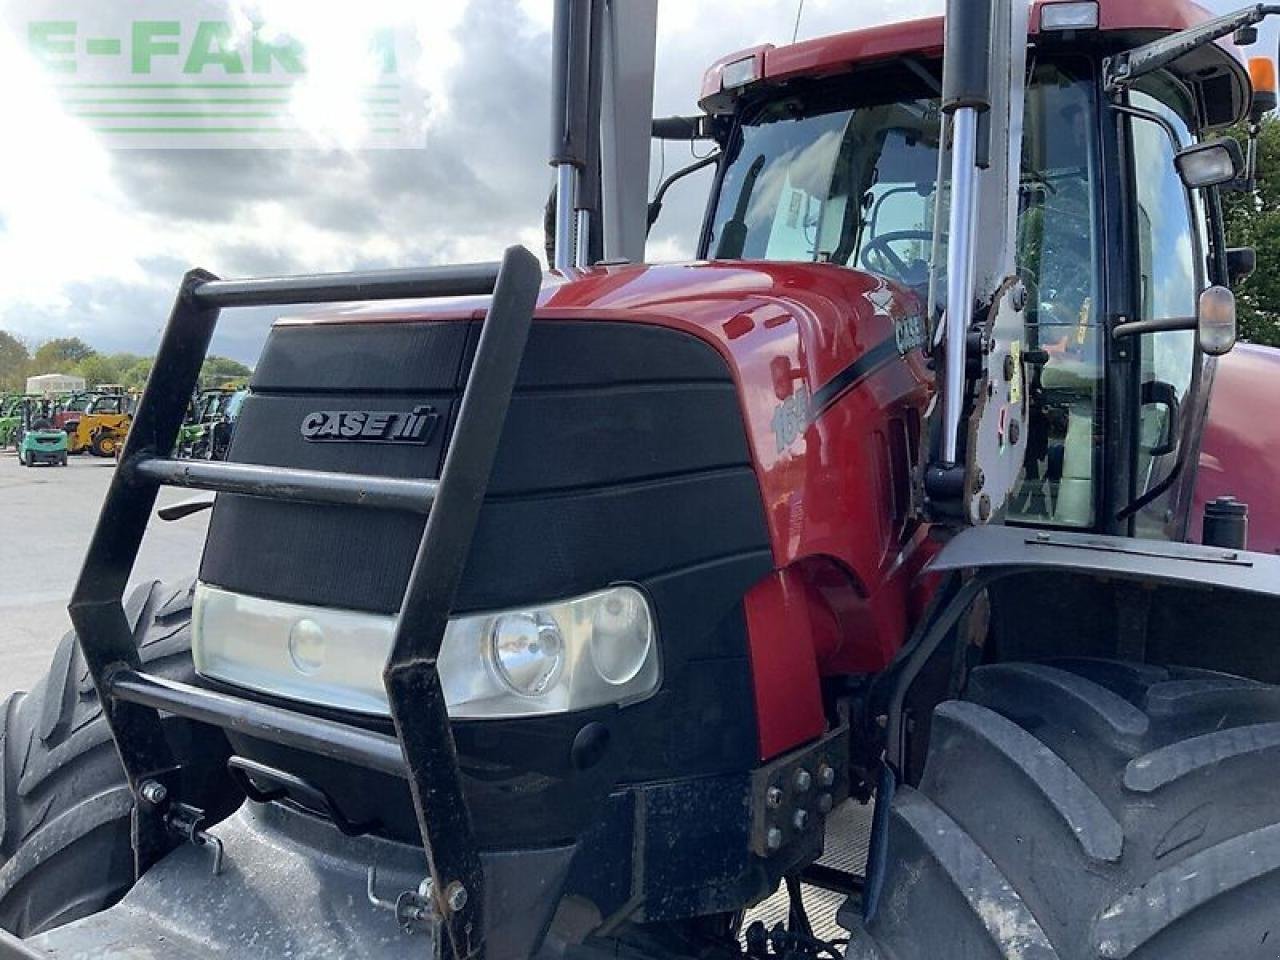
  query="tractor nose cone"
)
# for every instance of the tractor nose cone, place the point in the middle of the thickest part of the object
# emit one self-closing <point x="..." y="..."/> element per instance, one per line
<point x="307" y="646"/>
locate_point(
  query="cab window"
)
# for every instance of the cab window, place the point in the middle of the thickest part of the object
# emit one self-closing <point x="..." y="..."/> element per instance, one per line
<point x="1058" y="259"/>
<point x="1170" y="279"/>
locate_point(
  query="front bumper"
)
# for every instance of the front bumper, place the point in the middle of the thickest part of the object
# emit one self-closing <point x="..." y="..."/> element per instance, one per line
<point x="293" y="886"/>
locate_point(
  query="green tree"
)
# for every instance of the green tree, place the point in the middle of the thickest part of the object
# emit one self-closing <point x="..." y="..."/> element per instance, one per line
<point x="219" y="370"/>
<point x="14" y="358"/>
<point x="1254" y="221"/>
<point x="60" y="356"/>
<point x="99" y="368"/>
<point x="135" y="375"/>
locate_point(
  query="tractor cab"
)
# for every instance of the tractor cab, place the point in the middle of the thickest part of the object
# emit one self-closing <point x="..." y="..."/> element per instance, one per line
<point x="832" y="151"/>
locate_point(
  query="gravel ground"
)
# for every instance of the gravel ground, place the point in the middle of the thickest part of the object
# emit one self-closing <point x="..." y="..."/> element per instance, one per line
<point x="47" y="515"/>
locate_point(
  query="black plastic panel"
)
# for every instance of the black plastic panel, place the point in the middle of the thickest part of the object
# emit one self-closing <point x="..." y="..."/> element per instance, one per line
<point x="381" y="358"/>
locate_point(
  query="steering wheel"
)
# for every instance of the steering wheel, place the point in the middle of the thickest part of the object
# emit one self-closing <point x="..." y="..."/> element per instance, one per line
<point x="878" y="255"/>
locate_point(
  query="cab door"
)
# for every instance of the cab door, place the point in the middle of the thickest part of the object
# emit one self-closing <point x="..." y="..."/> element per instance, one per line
<point x="1169" y="249"/>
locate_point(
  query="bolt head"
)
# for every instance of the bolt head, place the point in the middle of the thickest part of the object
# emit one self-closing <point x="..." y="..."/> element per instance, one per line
<point x="825" y="803"/>
<point x="773" y="797"/>
<point x="826" y="775"/>
<point x="773" y="839"/>
<point x="803" y="780"/>
<point x="154" y="792"/>
<point x="456" y="896"/>
<point x="801" y="819"/>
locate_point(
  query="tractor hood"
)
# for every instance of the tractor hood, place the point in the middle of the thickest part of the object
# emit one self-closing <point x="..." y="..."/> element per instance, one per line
<point x="797" y="339"/>
<point x="794" y="334"/>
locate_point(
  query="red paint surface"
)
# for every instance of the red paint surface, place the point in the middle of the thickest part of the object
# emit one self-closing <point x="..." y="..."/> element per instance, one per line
<point x="836" y="498"/>
<point x="924" y="37"/>
<point x="1241" y="444"/>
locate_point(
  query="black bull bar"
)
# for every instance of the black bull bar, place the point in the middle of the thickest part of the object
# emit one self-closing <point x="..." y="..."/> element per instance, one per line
<point x="423" y="750"/>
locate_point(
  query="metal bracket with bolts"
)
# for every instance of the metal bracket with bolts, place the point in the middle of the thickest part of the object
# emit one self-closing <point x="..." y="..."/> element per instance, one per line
<point x="414" y="910"/>
<point x="183" y="820"/>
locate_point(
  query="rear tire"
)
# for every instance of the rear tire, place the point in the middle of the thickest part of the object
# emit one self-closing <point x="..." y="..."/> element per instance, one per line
<point x="103" y="444"/>
<point x="1089" y="809"/>
<point x="64" y="801"/>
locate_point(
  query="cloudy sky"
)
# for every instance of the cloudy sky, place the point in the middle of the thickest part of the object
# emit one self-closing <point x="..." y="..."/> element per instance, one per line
<point x="418" y="135"/>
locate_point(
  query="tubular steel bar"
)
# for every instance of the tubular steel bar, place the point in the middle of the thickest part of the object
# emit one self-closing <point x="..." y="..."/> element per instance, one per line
<point x="301" y="486"/>
<point x="325" y="738"/>
<point x="104" y="633"/>
<point x="413" y="685"/>
<point x="476" y="279"/>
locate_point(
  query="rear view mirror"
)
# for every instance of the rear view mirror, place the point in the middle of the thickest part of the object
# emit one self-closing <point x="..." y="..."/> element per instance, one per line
<point x="1216" y="324"/>
<point x="1157" y="393"/>
<point x="1210" y="164"/>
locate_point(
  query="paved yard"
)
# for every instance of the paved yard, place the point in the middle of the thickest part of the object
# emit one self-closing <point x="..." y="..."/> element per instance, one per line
<point x="47" y="515"/>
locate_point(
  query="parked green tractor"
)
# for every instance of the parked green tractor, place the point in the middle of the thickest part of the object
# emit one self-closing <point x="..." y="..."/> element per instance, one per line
<point x="206" y="433"/>
<point x="11" y="418"/>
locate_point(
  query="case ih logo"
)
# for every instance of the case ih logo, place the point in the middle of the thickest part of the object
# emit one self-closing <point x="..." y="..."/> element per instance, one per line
<point x="370" y="426"/>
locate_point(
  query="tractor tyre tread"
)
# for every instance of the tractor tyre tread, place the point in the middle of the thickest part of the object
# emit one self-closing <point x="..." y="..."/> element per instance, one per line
<point x="64" y="800"/>
<point x="1088" y="809"/>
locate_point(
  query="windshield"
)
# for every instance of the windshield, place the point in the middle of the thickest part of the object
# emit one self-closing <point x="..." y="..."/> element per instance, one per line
<point x="835" y="177"/>
<point x="852" y="186"/>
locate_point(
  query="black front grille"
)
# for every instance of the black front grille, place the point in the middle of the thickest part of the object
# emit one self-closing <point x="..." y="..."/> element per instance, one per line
<point x="623" y="458"/>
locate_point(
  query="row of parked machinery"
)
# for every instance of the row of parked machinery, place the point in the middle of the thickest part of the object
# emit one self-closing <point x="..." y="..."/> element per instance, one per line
<point x="49" y="429"/>
<point x="211" y="419"/>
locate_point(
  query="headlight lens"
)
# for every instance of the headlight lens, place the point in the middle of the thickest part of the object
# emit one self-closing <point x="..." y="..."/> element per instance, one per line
<point x="559" y="657"/>
<point x="527" y="651"/>
<point x="619" y="650"/>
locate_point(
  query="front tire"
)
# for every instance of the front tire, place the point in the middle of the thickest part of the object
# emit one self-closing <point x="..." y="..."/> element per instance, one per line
<point x="64" y="802"/>
<point x="1089" y="809"/>
<point x="103" y="444"/>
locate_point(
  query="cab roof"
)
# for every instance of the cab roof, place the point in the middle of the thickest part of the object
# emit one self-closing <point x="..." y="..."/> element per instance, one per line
<point x="1217" y="71"/>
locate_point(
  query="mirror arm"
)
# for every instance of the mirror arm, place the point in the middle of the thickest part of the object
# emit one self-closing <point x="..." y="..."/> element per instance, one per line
<point x="1135" y="328"/>
<point x="1125" y="68"/>
<point x="655" y="205"/>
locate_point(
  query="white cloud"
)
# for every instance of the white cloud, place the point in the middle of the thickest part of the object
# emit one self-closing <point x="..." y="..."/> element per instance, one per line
<point x="93" y="241"/>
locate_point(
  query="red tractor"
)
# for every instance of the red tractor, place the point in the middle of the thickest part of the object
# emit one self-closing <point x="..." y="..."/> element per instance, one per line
<point x="564" y="621"/>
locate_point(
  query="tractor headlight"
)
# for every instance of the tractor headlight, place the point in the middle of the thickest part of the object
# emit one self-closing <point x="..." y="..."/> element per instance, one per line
<point x="554" y="658"/>
<point x="527" y="650"/>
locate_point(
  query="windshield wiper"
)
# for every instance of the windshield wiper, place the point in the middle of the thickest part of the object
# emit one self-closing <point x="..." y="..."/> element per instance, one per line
<point x="733" y="235"/>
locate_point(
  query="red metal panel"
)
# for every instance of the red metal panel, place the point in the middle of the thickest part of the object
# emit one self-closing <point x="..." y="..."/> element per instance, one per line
<point x="1240" y="452"/>
<point x="923" y="37"/>
<point x="787" y="693"/>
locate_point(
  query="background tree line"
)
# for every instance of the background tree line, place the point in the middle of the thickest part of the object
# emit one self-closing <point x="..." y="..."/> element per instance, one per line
<point x="1254" y="221"/>
<point x="73" y="356"/>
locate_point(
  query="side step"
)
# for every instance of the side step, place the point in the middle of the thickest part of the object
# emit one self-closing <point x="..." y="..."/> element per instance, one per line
<point x="423" y="750"/>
